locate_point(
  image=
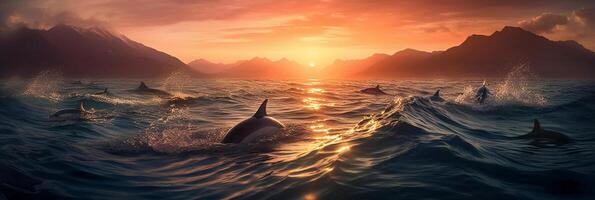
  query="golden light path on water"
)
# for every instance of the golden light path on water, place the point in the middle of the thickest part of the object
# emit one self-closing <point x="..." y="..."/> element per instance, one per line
<point x="322" y="140"/>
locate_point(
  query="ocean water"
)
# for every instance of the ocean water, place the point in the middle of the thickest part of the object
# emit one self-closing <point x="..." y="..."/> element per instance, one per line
<point x="338" y="144"/>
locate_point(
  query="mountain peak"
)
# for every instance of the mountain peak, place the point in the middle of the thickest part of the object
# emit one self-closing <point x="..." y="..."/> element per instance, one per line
<point x="409" y="52"/>
<point x="101" y="32"/>
<point x="259" y="59"/>
<point x="63" y="28"/>
<point x="83" y="52"/>
<point x="494" y="56"/>
<point x="378" y="55"/>
<point x="513" y="29"/>
<point x="200" y="61"/>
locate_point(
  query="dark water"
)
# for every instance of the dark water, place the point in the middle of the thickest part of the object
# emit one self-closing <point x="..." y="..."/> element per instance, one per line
<point x="339" y="143"/>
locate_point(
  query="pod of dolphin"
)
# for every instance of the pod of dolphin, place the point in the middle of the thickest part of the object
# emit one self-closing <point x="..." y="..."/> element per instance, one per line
<point x="261" y="124"/>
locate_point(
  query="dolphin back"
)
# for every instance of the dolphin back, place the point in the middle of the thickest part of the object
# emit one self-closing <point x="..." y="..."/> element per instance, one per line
<point x="142" y="86"/>
<point x="66" y="111"/>
<point x="374" y="90"/>
<point x="252" y="127"/>
<point x="256" y="125"/>
<point x="541" y="135"/>
<point x="536" y="126"/>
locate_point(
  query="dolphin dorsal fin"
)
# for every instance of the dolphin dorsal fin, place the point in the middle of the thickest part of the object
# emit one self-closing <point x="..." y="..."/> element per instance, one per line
<point x="82" y="108"/>
<point x="262" y="110"/>
<point x="105" y="91"/>
<point x="377" y="86"/>
<point x="142" y="85"/>
<point x="437" y="94"/>
<point x="536" y="126"/>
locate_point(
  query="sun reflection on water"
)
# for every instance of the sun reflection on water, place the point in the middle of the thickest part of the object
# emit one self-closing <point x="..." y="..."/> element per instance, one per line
<point x="312" y="103"/>
<point x="322" y="138"/>
<point x="310" y="196"/>
<point x="343" y="149"/>
<point x="319" y="128"/>
<point x="316" y="91"/>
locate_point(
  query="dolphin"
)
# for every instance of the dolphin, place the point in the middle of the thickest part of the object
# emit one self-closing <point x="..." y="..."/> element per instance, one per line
<point x="143" y="89"/>
<point x="259" y="124"/>
<point x="540" y="135"/>
<point x="436" y="96"/>
<point x="482" y="93"/>
<point x="375" y="91"/>
<point x="102" y="92"/>
<point x="70" y="113"/>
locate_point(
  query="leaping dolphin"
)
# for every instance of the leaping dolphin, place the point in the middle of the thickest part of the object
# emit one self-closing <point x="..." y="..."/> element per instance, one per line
<point x="375" y="90"/>
<point x="540" y="135"/>
<point x="259" y="124"/>
<point x="143" y="89"/>
<point x="436" y="96"/>
<point x="70" y="114"/>
<point x="482" y="93"/>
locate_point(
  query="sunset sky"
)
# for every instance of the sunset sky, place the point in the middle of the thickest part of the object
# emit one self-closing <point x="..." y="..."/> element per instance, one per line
<point x="308" y="31"/>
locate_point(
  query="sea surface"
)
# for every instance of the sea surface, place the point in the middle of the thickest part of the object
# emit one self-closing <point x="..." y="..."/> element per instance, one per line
<point x="338" y="144"/>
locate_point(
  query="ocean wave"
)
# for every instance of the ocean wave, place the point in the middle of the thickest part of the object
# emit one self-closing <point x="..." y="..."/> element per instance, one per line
<point x="356" y="146"/>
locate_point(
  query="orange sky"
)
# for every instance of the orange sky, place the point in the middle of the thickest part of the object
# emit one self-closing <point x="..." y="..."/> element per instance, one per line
<point x="316" y="31"/>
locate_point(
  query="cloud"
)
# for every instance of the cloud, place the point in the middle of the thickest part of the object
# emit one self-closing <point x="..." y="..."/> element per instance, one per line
<point x="578" y="22"/>
<point x="544" y="23"/>
<point x="159" y="12"/>
<point x="40" y="14"/>
<point x="436" y="29"/>
<point x="585" y="16"/>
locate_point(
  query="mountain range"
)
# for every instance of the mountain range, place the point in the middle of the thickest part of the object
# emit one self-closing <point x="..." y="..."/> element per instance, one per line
<point x="491" y="56"/>
<point x="81" y="52"/>
<point x="98" y="53"/>
<point x="481" y="56"/>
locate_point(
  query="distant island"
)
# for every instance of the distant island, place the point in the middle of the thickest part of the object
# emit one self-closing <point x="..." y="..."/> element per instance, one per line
<point x="98" y="53"/>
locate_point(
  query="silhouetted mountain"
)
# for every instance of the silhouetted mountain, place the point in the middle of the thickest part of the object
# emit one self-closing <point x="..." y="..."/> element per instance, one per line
<point x="263" y="68"/>
<point x="208" y="67"/>
<point x="492" y="56"/>
<point x="81" y="52"/>
<point x="345" y="68"/>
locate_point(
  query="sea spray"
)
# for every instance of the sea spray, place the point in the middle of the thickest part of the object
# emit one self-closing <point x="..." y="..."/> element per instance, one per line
<point x="177" y="82"/>
<point x="174" y="133"/>
<point x="45" y="85"/>
<point x="516" y="89"/>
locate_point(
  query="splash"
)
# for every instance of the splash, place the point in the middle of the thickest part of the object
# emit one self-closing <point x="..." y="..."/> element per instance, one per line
<point x="174" y="133"/>
<point x="45" y="85"/>
<point x="516" y="88"/>
<point x="126" y="101"/>
<point x="468" y="95"/>
<point x="177" y="82"/>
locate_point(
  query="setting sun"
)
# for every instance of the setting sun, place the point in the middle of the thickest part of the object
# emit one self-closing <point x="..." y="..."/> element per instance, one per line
<point x="312" y="64"/>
